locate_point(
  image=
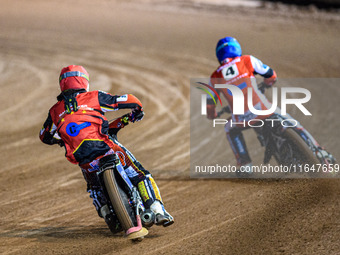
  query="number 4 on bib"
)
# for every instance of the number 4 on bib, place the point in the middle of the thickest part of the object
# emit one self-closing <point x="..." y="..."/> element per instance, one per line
<point x="230" y="72"/>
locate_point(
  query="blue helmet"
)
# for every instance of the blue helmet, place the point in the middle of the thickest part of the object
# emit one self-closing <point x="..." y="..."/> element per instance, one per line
<point x="228" y="47"/>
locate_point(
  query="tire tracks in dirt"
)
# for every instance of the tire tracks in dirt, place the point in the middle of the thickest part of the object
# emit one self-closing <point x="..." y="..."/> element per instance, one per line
<point x="44" y="206"/>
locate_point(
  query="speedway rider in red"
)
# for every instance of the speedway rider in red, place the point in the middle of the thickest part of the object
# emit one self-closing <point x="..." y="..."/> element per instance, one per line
<point x="240" y="70"/>
<point x="77" y="122"/>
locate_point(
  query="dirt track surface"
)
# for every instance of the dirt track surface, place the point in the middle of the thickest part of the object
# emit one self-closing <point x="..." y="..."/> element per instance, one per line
<point x="153" y="52"/>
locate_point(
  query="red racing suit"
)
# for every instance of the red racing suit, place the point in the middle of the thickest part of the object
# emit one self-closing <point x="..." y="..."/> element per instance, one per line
<point x="241" y="71"/>
<point x="84" y="133"/>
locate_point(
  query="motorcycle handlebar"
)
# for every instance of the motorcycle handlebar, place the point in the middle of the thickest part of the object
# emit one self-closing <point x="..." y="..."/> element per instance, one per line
<point x="126" y="116"/>
<point x="262" y="87"/>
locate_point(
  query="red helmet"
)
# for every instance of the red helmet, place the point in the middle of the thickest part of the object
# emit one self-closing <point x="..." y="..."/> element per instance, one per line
<point x="73" y="77"/>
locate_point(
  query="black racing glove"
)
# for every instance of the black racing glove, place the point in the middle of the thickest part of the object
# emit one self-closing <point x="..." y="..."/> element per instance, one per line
<point x="60" y="142"/>
<point x="137" y="114"/>
<point x="263" y="86"/>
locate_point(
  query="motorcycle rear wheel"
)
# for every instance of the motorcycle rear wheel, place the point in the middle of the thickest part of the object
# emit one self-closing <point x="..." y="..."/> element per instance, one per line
<point x="119" y="200"/>
<point x="306" y="154"/>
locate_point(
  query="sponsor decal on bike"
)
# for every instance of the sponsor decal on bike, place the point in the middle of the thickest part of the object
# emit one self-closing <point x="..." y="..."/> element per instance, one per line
<point x="131" y="172"/>
<point x="95" y="163"/>
<point x="94" y="166"/>
<point x="121" y="158"/>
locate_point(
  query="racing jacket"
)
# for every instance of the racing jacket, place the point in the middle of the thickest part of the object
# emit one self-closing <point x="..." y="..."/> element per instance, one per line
<point x="241" y="71"/>
<point x="84" y="132"/>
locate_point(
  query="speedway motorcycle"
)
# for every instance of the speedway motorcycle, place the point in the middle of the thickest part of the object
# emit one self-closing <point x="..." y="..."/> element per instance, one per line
<point x="292" y="146"/>
<point x="125" y="210"/>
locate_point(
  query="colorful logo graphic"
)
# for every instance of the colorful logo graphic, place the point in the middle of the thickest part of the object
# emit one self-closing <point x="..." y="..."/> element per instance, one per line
<point x="73" y="129"/>
<point x="121" y="158"/>
<point x="204" y="97"/>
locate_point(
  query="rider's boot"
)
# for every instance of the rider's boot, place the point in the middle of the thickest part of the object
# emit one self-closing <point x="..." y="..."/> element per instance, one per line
<point x="163" y="218"/>
<point x="151" y="196"/>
